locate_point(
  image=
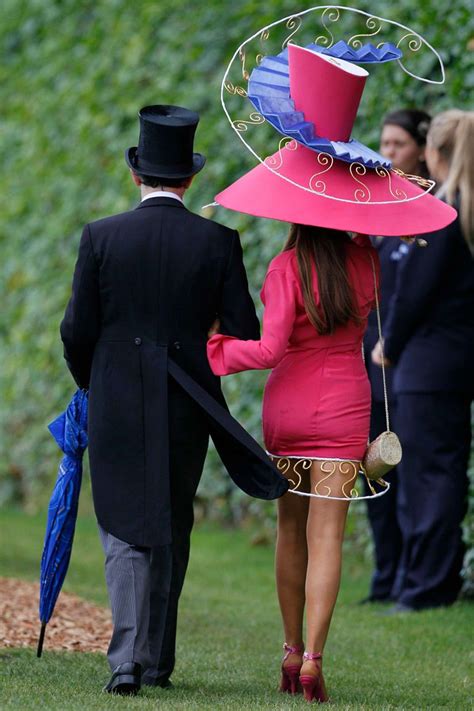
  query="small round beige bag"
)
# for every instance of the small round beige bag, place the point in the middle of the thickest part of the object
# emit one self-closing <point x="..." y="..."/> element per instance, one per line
<point x="384" y="452"/>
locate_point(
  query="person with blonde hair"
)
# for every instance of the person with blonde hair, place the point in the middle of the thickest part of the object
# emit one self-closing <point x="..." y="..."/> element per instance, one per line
<point x="429" y="335"/>
<point x="450" y="154"/>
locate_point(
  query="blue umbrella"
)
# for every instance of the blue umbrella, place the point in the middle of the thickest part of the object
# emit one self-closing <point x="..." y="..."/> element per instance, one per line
<point x="70" y="432"/>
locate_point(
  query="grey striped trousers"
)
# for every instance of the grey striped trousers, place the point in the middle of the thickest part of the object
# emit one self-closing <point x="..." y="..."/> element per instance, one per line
<point x="138" y="582"/>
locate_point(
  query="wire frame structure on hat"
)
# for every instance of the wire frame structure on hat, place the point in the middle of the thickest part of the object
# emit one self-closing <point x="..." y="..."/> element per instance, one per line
<point x="329" y="26"/>
<point x="344" y="32"/>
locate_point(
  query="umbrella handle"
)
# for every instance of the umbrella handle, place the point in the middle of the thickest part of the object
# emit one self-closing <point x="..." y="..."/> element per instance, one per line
<point x="41" y="639"/>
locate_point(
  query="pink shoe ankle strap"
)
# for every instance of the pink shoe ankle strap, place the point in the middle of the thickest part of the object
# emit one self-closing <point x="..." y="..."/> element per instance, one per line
<point x="291" y="650"/>
<point x="311" y="656"/>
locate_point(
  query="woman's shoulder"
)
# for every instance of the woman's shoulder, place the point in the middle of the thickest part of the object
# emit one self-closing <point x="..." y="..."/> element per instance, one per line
<point x="283" y="262"/>
<point x="282" y="271"/>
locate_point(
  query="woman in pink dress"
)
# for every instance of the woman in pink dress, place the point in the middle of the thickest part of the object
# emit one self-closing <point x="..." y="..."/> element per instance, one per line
<point x="317" y="294"/>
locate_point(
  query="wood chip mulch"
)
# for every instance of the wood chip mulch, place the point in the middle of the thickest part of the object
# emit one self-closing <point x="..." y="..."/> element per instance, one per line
<point x="76" y="625"/>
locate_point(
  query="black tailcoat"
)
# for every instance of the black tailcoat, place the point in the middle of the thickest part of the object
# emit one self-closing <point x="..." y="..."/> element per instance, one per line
<point x="147" y="286"/>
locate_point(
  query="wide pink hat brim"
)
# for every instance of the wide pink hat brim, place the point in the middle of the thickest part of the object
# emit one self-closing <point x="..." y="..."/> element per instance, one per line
<point x="265" y="193"/>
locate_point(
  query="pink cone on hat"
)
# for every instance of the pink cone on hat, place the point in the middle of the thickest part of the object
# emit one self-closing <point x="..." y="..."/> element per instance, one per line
<point x="327" y="90"/>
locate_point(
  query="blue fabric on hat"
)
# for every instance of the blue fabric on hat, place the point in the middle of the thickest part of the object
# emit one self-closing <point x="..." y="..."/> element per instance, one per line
<point x="367" y="54"/>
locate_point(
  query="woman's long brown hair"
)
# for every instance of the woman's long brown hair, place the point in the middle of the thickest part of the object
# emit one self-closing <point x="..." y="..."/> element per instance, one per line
<point x="324" y="250"/>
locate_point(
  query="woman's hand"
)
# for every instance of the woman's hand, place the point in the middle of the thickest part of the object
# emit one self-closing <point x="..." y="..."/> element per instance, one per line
<point x="214" y="329"/>
<point x="378" y="358"/>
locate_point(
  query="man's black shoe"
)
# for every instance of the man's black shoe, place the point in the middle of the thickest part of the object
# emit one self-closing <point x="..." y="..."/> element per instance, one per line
<point x="125" y="679"/>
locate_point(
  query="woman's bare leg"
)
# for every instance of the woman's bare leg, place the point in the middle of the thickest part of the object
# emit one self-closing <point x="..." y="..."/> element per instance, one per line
<point x="325" y="533"/>
<point x="291" y="560"/>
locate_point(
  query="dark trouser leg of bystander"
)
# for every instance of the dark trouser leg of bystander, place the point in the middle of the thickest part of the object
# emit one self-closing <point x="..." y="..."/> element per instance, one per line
<point x="435" y="432"/>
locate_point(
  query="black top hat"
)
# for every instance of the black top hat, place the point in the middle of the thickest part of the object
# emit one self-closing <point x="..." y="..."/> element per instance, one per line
<point x="165" y="146"/>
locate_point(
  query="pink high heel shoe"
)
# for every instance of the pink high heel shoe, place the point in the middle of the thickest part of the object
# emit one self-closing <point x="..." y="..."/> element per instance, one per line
<point x="314" y="688"/>
<point x="290" y="672"/>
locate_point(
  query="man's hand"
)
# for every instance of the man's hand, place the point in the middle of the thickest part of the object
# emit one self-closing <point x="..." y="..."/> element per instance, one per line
<point x="214" y="328"/>
<point x="377" y="356"/>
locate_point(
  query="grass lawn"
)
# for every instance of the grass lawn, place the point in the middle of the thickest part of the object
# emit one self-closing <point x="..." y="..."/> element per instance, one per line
<point x="229" y="640"/>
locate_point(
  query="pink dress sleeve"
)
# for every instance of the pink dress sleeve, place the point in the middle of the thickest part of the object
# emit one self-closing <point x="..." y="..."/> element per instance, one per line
<point x="230" y="355"/>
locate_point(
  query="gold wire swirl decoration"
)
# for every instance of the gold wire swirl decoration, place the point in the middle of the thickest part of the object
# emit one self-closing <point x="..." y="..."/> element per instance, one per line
<point x="265" y="34"/>
<point x="327" y="161"/>
<point x="331" y="467"/>
<point x="275" y="162"/>
<point x="283" y="465"/>
<point x="293" y="24"/>
<point x="418" y="179"/>
<point x="360" y="194"/>
<point x="414" y="44"/>
<point x="371" y="24"/>
<point x="332" y="15"/>
<point x="254" y="119"/>
<point x="370" y="483"/>
<point x="299" y="467"/>
<point x="245" y="73"/>
<point x="234" y="89"/>
<point x="294" y="470"/>
<point x="398" y="194"/>
<point x="347" y="468"/>
<point x="328" y="468"/>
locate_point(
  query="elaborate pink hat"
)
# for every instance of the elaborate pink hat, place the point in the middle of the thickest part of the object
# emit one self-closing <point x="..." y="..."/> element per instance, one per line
<point x="320" y="175"/>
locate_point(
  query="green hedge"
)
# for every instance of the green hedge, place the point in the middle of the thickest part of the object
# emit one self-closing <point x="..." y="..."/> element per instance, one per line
<point x="72" y="77"/>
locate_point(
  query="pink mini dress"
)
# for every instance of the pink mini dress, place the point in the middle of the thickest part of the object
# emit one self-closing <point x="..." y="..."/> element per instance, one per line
<point x="317" y="399"/>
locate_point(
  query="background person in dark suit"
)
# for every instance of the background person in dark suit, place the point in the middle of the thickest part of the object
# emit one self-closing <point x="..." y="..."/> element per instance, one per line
<point x="147" y="288"/>
<point x="429" y="335"/>
<point x="403" y="141"/>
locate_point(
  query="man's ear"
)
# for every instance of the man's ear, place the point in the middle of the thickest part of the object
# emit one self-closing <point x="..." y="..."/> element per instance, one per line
<point x="135" y="178"/>
<point x="188" y="182"/>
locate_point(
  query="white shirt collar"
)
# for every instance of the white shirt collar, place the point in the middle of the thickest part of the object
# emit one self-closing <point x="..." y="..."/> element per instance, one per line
<point x="162" y="193"/>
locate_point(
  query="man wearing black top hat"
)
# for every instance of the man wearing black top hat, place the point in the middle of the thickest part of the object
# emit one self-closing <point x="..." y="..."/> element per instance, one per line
<point x="148" y="286"/>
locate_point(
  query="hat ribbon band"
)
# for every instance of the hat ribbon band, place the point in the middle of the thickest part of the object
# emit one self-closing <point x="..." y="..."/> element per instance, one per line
<point x="144" y="165"/>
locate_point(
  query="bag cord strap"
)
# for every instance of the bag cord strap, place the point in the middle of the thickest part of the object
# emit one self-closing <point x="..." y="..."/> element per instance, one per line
<point x="379" y="325"/>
